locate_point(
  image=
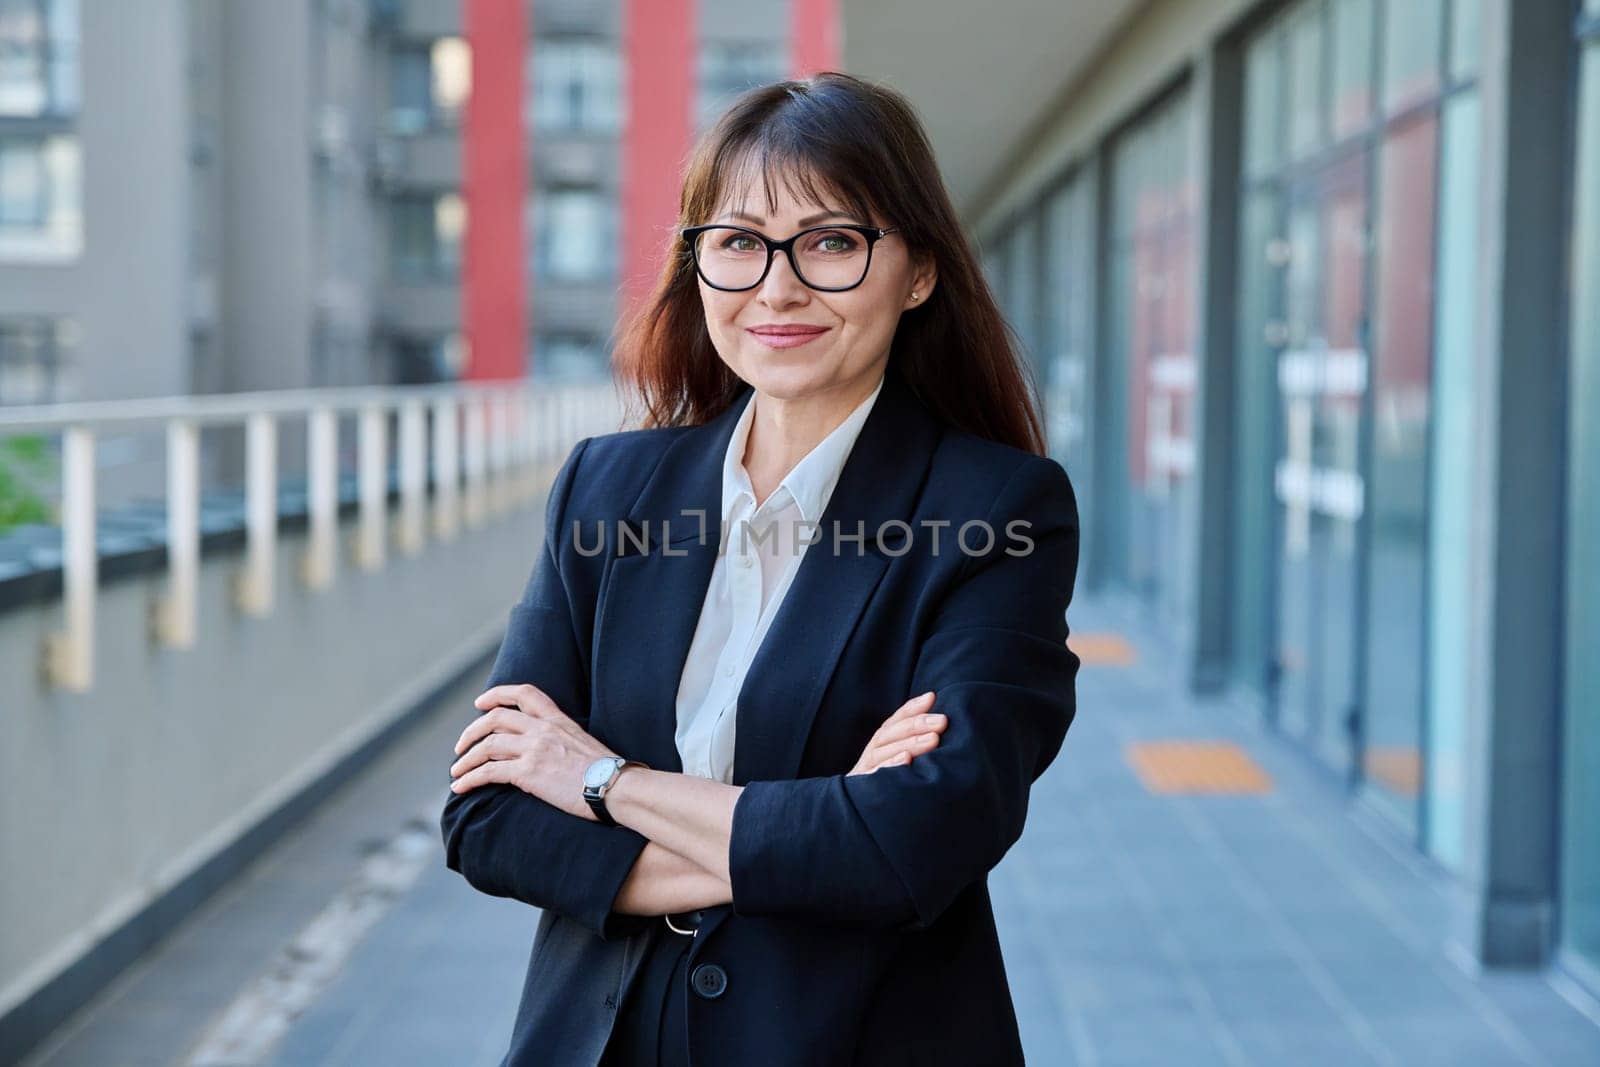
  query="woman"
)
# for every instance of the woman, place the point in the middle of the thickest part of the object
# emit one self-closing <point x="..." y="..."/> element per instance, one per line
<point x="838" y="510"/>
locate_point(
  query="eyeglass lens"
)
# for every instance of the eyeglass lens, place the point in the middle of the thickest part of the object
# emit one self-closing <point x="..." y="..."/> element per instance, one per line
<point x="734" y="259"/>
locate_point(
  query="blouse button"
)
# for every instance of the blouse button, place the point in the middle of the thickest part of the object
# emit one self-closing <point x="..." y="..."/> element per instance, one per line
<point x="727" y="672"/>
<point x="748" y="561"/>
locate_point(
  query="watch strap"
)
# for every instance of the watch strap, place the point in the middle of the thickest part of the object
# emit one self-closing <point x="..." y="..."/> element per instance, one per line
<point x="597" y="797"/>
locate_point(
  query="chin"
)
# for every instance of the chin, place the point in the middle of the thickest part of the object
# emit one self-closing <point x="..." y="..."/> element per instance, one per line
<point x="786" y="382"/>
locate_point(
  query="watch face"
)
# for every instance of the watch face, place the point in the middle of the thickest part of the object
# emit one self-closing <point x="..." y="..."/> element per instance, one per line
<point x="599" y="772"/>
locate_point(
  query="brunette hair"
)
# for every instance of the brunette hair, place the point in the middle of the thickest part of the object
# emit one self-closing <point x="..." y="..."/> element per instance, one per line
<point x="834" y="133"/>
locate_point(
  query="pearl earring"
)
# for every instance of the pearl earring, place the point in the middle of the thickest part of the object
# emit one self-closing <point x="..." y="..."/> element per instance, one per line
<point x="913" y="296"/>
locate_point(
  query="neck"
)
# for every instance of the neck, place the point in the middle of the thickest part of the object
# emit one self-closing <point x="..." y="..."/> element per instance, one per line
<point x="782" y="432"/>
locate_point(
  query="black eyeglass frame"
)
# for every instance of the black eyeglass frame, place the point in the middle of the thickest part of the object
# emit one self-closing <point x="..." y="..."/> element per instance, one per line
<point x="871" y="234"/>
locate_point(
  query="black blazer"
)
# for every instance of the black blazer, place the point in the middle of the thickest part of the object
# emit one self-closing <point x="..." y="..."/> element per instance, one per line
<point x="861" y="929"/>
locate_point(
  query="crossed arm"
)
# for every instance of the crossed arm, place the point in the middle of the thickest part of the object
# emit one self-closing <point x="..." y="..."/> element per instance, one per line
<point x="883" y="849"/>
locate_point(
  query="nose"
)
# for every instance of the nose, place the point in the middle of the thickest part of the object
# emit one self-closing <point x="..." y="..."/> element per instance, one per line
<point x="782" y="285"/>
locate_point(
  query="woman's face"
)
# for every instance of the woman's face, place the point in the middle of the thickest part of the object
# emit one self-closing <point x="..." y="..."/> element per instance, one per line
<point x="856" y="326"/>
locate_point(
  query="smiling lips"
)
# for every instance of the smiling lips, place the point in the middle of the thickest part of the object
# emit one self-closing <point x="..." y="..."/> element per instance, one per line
<point x="786" y="336"/>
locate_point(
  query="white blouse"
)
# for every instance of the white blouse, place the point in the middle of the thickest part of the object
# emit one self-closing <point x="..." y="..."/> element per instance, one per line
<point x="748" y="580"/>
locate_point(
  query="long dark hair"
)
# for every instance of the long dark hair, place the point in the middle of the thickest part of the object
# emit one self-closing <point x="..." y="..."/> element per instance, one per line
<point x="835" y="133"/>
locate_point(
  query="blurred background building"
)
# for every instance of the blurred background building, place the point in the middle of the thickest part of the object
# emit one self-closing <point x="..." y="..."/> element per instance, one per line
<point x="1314" y="288"/>
<point x="280" y="199"/>
<point x="1310" y="290"/>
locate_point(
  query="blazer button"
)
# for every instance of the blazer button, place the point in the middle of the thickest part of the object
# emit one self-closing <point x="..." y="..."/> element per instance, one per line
<point x="709" y="980"/>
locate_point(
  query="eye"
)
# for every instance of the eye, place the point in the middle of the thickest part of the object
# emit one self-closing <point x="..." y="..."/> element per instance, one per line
<point x="836" y="241"/>
<point x="731" y="243"/>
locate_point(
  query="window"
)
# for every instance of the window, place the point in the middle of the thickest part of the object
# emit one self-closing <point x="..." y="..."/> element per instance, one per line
<point x="564" y="356"/>
<point x="728" y="68"/>
<point x="38" y="58"/>
<point x="35" y="360"/>
<point x="1068" y="321"/>
<point x="429" y="85"/>
<point x="1412" y="34"/>
<point x="575" y="84"/>
<point x="422" y="360"/>
<point x="1151" y="303"/>
<point x="1580" y="830"/>
<point x="575" y="235"/>
<point x="40" y="193"/>
<point x="1352" y="324"/>
<point x="425" y="235"/>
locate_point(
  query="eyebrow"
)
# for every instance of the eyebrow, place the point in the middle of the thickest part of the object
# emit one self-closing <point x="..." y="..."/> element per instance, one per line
<point x="807" y="221"/>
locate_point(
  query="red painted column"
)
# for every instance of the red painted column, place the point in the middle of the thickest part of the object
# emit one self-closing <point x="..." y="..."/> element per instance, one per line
<point x="494" y="184"/>
<point x="813" y="36"/>
<point x="659" y="53"/>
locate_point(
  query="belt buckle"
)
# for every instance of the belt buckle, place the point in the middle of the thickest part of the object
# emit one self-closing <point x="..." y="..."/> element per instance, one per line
<point x="692" y="932"/>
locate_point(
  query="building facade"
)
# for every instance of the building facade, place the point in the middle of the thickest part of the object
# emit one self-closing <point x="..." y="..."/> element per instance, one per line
<point x="274" y="196"/>
<point x="1313" y="288"/>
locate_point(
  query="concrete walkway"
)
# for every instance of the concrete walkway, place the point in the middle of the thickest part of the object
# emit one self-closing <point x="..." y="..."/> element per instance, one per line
<point x="1141" y="923"/>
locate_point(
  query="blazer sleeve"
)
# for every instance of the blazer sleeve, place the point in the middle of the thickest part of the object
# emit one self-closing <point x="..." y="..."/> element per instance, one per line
<point x="505" y="842"/>
<point x="895" y="847"/>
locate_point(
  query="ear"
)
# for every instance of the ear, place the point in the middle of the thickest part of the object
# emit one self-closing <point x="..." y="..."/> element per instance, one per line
<point x="923" y="279"/>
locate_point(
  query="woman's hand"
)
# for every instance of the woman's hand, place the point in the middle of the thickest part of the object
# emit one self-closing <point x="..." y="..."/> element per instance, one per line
<point x="909" y="732"/>
<point x="528" y="742"/>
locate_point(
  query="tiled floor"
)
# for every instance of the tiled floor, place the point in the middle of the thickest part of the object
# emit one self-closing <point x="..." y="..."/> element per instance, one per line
<point x="1139" y="927"/>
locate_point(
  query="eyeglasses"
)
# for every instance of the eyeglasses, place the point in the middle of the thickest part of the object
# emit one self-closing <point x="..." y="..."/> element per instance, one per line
<point x="830" y="258"/>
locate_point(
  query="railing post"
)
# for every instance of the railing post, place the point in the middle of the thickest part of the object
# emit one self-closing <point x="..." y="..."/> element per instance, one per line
<point x="253" y="586"/>
<point x="475" y="458"/>
<point x="374" y="488"/>
<point x="528" y="450"/>
<point x="500" y="453"/>
<point x="446" y="470"/>
<point x="413" y="475"/>
<point x="322" y="498"/>
<point x="175" y="614"/>
<point x="69" y="654"/>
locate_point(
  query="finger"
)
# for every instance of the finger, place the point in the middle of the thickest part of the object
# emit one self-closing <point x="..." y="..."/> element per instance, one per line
<point x="893" y="761"/>
<point x="497" y="770"/>
<point x="900" y="729"/>
<point x="917" y="704"/>
<point x="530" y="698"/>
<point x="914" y="745"/>
<point x="500" y="720"/>
<point x="911" y="747"/>
<point x="490" y="748"/>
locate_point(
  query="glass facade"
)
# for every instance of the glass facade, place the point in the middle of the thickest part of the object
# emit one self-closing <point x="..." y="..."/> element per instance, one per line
<point x="1305" y="254"/>
<point x="1361" y="522"/>
<point x="1152" y="332"/>
<point x="1339" y="299"/>
<point x="1067" y="326"/>
<point x="1580" y="854"/>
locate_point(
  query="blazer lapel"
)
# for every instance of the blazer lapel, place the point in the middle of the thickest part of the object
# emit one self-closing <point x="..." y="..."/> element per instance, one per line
<point x="650" y="601"/>
<point x="880" y="482"/>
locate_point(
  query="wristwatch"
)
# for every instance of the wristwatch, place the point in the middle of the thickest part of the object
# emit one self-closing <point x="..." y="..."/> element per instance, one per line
<point x="597" y="781"/>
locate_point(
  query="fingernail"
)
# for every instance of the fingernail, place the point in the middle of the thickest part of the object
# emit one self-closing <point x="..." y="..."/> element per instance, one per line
<point x="926" y="696"/>
<point x="932" y="719"/>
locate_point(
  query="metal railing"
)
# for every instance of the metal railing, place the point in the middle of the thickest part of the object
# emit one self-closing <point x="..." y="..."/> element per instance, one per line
<point x="489" y="444"/>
